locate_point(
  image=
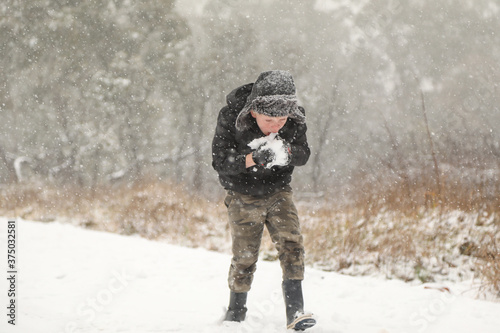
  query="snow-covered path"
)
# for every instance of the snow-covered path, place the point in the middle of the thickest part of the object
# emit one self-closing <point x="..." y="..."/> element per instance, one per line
<point x="76" y="280"/>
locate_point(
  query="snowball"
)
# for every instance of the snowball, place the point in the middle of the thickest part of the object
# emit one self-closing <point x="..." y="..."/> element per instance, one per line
<point x="275" y="145"/>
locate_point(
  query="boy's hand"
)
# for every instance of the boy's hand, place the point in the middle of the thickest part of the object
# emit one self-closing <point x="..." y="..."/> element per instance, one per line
<point x="263" y="156"/>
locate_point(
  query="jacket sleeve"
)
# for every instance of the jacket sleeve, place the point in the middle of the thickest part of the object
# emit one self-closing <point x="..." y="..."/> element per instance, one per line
<point x="300" y="151"/>
<point x="226" y="159"/>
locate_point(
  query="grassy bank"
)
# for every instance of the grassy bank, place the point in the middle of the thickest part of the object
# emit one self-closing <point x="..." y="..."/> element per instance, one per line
<point x="423" y="244"/>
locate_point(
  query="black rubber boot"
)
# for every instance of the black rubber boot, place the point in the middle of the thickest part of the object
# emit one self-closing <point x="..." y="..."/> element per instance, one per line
<point x="296" y="319"/>
<point x="237" y="309"/>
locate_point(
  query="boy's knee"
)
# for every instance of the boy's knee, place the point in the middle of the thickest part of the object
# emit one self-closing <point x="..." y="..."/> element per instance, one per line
<point x="292" y="262"/>
<point x="294" y="273"/>
<point x="245" y="262"/>
<point x="240" y="285"/>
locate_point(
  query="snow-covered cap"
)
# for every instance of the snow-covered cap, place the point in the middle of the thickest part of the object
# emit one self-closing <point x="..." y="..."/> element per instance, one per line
<point x="273" y="95"/>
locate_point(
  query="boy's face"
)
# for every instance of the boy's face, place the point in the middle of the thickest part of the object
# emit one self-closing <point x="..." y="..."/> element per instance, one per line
<point x="268" y="124"/>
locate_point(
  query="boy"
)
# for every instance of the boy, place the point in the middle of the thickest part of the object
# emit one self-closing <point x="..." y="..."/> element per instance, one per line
<point x="260" y="137"/>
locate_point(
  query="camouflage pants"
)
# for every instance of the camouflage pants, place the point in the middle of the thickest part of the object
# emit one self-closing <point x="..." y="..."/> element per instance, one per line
<point x="247" y="217"/>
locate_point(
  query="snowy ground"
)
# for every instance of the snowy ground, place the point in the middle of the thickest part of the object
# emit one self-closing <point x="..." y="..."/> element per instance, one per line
<point x="76" y="280"/>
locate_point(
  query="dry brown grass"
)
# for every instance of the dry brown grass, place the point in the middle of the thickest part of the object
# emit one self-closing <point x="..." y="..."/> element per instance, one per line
<point x="153" y="210"/>
<point x="402" y="191"/>
<point x="408" y="231"/>
<point x="376" y="235"/>
<point x="475" y="233"/>
<point x="488" y="263"/>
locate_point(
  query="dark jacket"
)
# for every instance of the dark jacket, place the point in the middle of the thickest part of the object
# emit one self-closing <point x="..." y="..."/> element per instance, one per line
<point x="230" y="147"/>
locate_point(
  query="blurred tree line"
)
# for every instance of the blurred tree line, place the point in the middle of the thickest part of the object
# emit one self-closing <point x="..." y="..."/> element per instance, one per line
<point x="397" y="94"/>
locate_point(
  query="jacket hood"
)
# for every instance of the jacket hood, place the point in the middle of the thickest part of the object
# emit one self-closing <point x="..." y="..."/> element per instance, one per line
<point x="237" y="98"/>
